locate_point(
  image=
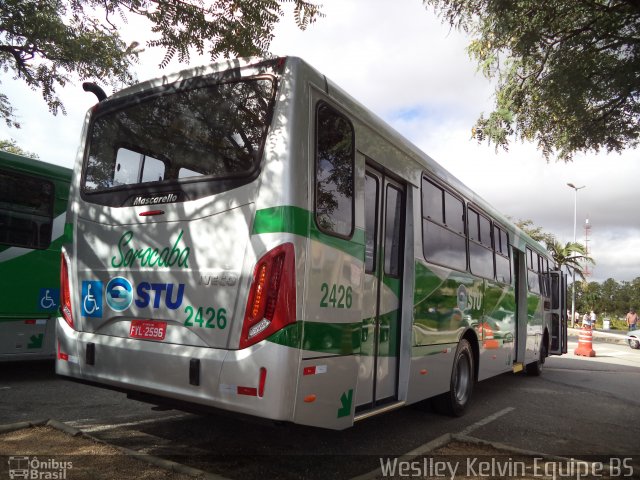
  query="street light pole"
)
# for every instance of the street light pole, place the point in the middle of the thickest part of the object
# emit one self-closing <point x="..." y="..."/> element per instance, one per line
<point x="575" y="213"/>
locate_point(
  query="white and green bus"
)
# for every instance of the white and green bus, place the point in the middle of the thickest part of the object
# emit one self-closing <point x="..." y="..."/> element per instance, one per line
<point x="247" y="237"/>
<point x="33" y="203"/>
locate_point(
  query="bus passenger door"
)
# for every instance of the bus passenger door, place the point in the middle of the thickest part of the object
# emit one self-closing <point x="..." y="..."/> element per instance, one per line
<point x="380" y="334"/>
<point x="558" y="313"/>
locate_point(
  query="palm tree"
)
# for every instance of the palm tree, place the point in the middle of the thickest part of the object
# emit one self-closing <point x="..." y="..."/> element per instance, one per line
<point x="572" y="255"/>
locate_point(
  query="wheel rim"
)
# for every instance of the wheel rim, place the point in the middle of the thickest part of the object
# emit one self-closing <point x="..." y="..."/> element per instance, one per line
<point x="463" y="379"/>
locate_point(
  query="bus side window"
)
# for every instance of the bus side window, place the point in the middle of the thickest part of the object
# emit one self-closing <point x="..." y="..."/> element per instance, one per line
<point x="334" y="167"/>
<point x="443" y="238"/>
<point x="533" y="277"/>
<point x="26" y="211"/>
<point x="480" y="250"/>
<point x="501" y="248"/>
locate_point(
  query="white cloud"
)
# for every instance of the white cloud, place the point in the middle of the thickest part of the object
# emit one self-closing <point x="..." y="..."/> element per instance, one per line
<point x="402" y="63"/>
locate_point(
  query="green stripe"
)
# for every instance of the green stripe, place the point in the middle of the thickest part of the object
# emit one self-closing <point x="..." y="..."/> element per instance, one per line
<point x="67" y="236"/>
<point x="342" y="338"/>
<point x="298" y="221"/>
<point x="334" y="338"/>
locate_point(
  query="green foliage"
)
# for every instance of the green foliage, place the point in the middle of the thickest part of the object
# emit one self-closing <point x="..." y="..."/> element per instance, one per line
<point x="567" y="71"/>
<point x="12" y="147"/>
<point x="48" y="43"/>
<point x="571" y="255"/>
<point x="610" y="298"/>
<point x="534" y="232"/>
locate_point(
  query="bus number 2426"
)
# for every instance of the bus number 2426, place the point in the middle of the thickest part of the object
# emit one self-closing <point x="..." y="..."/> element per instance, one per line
<point x="336" y="296"/>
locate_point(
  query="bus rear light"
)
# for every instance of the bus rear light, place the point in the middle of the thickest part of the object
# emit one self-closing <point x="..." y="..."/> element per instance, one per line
<point x="65" y="292"/>
<point x="272" y="299"/>
<point x="151" y="213"/>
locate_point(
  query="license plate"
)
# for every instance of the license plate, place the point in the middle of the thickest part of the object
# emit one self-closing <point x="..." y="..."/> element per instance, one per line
<point x="149" y="329"/>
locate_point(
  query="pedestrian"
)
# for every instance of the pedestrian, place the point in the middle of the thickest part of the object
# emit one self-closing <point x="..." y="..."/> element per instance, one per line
<point x="576" y="319"/>
<point x="586" y="321"/>
<point x="592" y="319"/>
<point x="632" y="319"/>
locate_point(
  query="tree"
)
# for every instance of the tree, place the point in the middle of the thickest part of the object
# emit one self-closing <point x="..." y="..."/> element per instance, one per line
<point x="588" y="297"/>
<point x="572" y="255"/>
<point x="12" y="147"/>
<point x="534" y="232"/>
<point x="48" y="43"/>
<point x="568" y="72"/>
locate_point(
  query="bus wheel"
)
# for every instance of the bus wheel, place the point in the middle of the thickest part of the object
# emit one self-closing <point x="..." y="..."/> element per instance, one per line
<point x="535" y="368"/>
<point x="456" y="399"/>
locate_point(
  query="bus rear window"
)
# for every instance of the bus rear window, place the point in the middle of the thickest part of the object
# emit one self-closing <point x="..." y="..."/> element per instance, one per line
<point x="215" y="131"/>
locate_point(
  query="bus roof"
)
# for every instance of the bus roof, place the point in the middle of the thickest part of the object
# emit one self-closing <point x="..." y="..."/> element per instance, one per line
<point x="19" y="163"/>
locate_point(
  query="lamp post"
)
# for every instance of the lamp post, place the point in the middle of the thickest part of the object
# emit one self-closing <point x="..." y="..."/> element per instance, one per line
<point x="575" y="212"/>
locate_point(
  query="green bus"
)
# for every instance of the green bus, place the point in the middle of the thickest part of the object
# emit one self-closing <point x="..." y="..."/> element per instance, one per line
<point x="33" y="203"/>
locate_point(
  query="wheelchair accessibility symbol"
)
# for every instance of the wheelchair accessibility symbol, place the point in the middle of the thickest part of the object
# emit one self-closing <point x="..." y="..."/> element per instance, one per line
<point x="48" y="299"/>
<point x="92" y="298"/>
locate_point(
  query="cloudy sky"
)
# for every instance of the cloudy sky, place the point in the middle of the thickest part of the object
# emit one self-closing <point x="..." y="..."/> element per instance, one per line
<point x="401" y="62"/>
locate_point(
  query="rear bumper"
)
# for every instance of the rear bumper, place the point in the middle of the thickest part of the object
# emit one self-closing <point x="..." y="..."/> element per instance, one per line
<point x="228" y="379"/>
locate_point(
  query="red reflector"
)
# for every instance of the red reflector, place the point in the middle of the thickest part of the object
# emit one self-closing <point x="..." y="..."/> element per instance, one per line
<point x="251" y="391"/>
<point x="151" y="212"/>
<point x="309" y="370"/>
<point x="30" y="322"/>
<point x="263" y="381"/>
<point x="61" y="354"/>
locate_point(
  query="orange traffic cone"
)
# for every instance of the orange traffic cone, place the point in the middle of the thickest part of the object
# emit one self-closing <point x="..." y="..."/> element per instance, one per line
<point x="585" y="343"/>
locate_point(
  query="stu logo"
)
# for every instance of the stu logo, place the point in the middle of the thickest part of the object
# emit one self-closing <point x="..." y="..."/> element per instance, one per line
<point x="172" y="301"/>
<point x="119" y="294"/>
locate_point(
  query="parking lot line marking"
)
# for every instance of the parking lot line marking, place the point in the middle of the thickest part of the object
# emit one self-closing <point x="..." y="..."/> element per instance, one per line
<point x="486" y="420"/>
<point x="103" y="427"/>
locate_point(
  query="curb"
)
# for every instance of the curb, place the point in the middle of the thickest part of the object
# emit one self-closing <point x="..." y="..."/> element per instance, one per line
<point x="12" y="427"/>
<point x="144" y="457"/>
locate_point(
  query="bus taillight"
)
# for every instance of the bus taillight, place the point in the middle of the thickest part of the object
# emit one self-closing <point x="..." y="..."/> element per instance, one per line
<point x="65" y="292"/>
<point x="272" y="300"/>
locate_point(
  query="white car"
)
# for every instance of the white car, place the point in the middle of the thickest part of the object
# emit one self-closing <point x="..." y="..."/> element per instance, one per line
<point x="633" y="338"/>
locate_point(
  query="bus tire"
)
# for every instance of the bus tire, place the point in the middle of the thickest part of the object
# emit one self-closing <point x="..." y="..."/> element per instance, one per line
<point x="534" y="369"/>
<point x="455" y="401"/>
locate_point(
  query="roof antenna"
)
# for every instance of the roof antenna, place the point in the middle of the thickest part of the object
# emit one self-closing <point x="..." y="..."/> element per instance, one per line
<point x="95" y="89"/>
